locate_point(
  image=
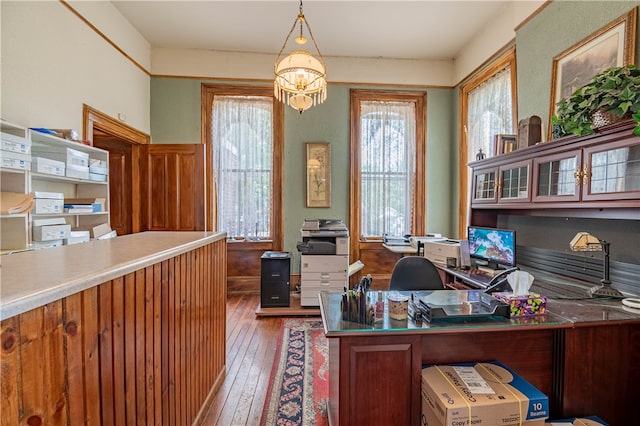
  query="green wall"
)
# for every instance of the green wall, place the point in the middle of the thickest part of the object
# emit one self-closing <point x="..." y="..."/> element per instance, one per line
<point x="556" y="28"/>
<point x="175" y="118"/>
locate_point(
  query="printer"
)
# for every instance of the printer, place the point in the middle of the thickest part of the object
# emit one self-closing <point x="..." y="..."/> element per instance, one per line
<point x="438" y="251"/>
<point x="323" y="237"/>
<point x="419" y="241"/>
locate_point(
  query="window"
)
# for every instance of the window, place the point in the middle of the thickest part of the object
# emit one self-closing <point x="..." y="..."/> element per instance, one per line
<point x="245" y="141"/>
<point x="387" y="163"/>
<point x="488" y="108"/>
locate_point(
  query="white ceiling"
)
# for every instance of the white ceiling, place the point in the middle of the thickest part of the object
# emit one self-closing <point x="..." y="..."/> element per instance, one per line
<point x="375" y="29"/>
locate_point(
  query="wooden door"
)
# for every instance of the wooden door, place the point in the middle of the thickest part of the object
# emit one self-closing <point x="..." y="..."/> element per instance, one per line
<point x="120" y="182"/>
<point x="173" y="193"/>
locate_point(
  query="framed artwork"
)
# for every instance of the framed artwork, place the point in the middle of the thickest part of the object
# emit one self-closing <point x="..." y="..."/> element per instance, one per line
<point x="318" y="167"/>
<point x="611" y="46"/>
<point x="504" y="144"/>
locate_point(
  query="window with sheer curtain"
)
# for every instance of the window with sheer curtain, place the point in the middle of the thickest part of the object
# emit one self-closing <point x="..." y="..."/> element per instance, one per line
<point x="388" y="147"/>
<point x="242" y="157"/>
<point x="489" y="113"/>
<point x="387" y="152"/>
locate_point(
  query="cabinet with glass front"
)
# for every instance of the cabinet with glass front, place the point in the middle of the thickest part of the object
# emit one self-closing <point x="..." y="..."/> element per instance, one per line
<point x="508" y="183"/>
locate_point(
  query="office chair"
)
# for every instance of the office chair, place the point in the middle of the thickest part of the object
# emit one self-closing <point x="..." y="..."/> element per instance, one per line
<point x="415" y="273"/>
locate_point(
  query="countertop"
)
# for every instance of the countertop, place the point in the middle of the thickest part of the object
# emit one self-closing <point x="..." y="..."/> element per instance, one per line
<point x="34" y="278"/>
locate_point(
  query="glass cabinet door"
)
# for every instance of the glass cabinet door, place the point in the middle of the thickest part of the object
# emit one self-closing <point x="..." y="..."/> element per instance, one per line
<point x="514" y="182"/>
<point x="557" y="177"/>
<point x="484" y="186"/>
<point x="612" y="171"/>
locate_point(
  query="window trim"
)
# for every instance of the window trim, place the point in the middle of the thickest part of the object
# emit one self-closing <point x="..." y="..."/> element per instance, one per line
<point x="208" y="91"/>
<point x="419" y="219"/>
<point x="506" y="59"/>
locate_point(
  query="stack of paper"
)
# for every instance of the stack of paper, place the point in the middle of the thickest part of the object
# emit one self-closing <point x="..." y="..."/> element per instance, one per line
<point x="16" y="203"/>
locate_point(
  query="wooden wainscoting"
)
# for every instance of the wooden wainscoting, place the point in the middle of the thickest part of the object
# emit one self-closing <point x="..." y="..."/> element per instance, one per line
<point x="145" y="348"/>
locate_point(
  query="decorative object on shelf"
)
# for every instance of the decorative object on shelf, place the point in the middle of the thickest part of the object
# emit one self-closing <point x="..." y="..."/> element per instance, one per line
<point x="529" y="131"/>
<point x="610" y="96"/>
<point x="504" y="144"/>
<point x="611" y="46"/>
<point x="480" y="155"/>
<point x="300" y="77"/>
<point x="583" y="241"/>
<point x="318" y="174"/>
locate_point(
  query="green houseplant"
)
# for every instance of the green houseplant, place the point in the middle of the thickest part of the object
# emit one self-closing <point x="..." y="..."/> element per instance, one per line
<point x="613" y="92"/>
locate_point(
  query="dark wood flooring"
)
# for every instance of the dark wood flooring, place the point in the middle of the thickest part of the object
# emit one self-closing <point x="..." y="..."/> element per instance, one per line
<point x="251" y="344"/>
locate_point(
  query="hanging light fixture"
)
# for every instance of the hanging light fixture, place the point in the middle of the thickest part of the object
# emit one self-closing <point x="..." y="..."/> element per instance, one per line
<point x="300" y="77"/>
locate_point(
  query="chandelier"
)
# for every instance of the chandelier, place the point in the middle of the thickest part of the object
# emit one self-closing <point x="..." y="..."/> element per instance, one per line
<point x="300" y="77"/>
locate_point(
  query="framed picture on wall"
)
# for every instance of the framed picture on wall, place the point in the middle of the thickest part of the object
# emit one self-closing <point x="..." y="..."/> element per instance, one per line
<point x="611" y="46"/>
<point x="318" y="169"/>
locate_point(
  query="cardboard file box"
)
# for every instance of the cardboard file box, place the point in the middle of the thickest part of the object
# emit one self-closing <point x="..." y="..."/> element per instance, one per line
<point x="487" y="393"/>
<point x="96" y="177"/>
<point x="50" y="229"/>
<point x="9" y="142"/>
<point x="524" y="306"/>
<point x="48" y="206"/>
<point x="76" y="237"/>
<point x="98" y="167"/>
<point x="78" y="172"/>
<point x="70" y="156"/>
<point x="48" y="166"/>
<point x="15" y="160"/>
<point x="37" y="245"/>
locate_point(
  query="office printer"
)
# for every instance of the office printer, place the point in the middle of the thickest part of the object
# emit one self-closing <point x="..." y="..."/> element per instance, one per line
<point x="438" y="251"/>
<point x="323" y="237"/>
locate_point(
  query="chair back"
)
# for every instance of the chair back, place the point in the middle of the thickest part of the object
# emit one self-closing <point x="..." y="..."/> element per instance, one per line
<point x="415" y="273"/>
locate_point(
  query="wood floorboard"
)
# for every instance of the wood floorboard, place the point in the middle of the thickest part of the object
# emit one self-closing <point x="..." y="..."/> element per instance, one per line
<point x="251" y="344"/>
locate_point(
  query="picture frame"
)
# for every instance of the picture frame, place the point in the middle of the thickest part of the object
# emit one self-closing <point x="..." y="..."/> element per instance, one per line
<point x="504" y="144"/>
<point x="611" y="46"/>
<point x="318" y="171"/>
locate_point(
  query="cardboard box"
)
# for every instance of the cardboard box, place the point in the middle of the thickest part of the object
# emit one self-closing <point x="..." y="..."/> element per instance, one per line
<point x="48" y="206"/>
<point x="48" y="166"/>
<point x="37" y="245"/>
<point x="96" y="177"/>
<point x="15" y="143"/>
<point x="579" y="421"/>
<point x="70" y="156"/>
<point x="51" y="232"/>
<point x="76" y="237"/>
<point x="78" y="172"/>
<point x="524" y="306"/>
<point x="98" y="167"/>
<point x="15" y="160"/>
<point x="487" y="393"/>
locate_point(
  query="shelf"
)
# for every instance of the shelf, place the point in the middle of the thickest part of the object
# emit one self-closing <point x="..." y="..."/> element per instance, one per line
<point x="56" y="178"/>
<point x="13" y="216"/>
<point x="44" y="215"/>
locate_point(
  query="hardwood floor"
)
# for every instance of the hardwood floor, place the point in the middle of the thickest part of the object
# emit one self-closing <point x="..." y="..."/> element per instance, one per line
<point x="251" y="344"/>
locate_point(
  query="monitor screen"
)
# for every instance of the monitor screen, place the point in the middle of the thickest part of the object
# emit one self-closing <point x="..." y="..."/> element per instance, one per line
<point x="496" y="246"/>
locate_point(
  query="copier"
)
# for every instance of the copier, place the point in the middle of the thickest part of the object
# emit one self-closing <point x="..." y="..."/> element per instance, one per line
<point x="324" y="260"/>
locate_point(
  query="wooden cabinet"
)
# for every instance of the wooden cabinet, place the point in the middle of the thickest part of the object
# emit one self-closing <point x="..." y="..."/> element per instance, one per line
<point x="596" y="171"/>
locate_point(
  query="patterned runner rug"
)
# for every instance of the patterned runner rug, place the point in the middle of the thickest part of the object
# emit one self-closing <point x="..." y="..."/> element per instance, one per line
<point x="299" y="384"/>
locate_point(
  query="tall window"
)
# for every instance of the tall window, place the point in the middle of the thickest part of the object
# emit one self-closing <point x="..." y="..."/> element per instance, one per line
<point x="488" y="108"/>
<point x="388" y="164"/>
<point x="245" y="155"/>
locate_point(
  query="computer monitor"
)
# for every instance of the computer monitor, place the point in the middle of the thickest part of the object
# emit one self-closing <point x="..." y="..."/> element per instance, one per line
<point x="495" y="247"/>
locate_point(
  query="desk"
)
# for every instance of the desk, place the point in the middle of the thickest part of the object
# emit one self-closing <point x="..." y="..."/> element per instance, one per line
<point x="572" y="354"/>
<point x="401" y="249"/>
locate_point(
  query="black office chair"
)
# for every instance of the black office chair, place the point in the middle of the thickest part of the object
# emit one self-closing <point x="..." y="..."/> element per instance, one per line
<point x="415" y="273"/>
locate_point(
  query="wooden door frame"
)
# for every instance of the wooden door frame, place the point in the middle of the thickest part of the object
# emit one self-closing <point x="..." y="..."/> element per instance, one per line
<point x="94" y="119"/>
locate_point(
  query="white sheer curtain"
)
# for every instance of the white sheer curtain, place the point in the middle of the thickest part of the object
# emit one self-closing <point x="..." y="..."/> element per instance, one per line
<point x="387" y="154"/>
<point x="242" y="138"/>
<point x="489" y="113"/>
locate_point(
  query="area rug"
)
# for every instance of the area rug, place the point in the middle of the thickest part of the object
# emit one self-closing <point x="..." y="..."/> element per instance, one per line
<point x="299" y="385"/>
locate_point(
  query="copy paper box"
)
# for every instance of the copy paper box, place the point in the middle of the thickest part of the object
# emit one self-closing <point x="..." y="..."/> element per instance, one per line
<point x="487" y="393"/>
<point x="579" y="421"/>
<point x="51" y="232"/>
<point x="524" y="306"/>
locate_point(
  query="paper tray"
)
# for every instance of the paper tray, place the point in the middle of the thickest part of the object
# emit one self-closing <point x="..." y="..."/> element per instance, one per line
<point x="464" y="304"/>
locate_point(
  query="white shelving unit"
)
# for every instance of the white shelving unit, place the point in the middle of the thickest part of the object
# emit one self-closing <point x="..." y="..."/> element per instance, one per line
<point x="16" y="229"/>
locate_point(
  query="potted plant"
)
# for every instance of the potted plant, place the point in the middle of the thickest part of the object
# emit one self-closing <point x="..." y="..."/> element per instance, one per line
<point x="612" y="95"/>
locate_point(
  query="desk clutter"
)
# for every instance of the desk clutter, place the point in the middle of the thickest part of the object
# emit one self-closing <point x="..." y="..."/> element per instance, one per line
<point x="358" y="305"/>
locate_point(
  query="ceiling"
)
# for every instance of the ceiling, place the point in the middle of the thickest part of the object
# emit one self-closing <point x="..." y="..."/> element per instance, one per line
<point x="436" y="30"/>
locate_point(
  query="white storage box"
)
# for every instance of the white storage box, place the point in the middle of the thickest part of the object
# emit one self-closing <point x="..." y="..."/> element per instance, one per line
<point x="78" y="172"/>
<point x="97" y="177"/>
<point x="15" y="160"/>
<point x="9" y="142"/>
<point x="98" y="167"/>
<point x="48" y="166"/>
<point x="45" y="194"/>
<point x="76" y="237"/>
<point x="50" y="232"/>
<point x="70" y="156"/>
<point x="37" y="245"/>
<point x="48" y="206"/>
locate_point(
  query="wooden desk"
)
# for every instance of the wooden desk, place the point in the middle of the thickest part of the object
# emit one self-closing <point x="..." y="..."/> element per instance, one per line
<point x="572" y="354"/>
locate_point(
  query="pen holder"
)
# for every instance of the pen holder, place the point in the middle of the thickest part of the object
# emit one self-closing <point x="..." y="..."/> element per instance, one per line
<point x="356" y="307"/>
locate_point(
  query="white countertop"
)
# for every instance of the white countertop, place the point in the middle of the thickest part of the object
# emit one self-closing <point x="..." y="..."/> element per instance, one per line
<point x="34" y="278"/>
